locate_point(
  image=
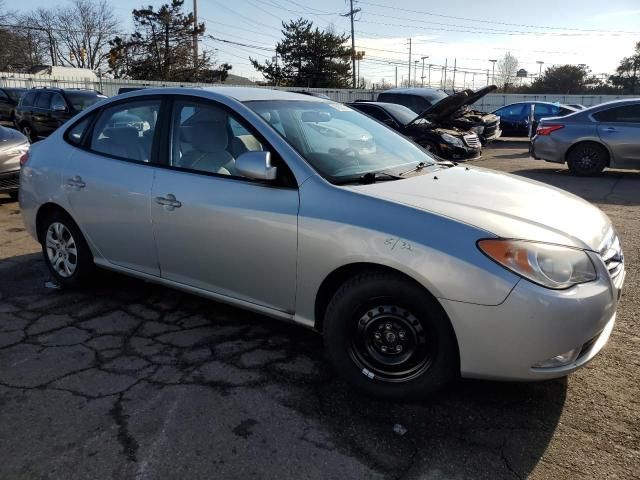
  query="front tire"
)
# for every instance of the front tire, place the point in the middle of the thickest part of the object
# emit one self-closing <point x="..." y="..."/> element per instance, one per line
<point x="389" y="338"/>
<point x="587" y="159"/>
<point x="65" y="251"/>
<point x="13" y="196"/>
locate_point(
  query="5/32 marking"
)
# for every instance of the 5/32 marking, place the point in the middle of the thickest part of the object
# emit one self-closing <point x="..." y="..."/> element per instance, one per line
<point x="397" y="244"/>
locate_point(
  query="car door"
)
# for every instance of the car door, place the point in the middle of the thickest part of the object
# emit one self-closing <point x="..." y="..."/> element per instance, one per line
<point x="6" y="107"/>
<point x="41" y="114"/>
<point x="619" y="129"/>
<point x="513" y="120"/>
<point x="108" y="184"/>
<point x="214" y="229"/>
<point x="58" y="111"/>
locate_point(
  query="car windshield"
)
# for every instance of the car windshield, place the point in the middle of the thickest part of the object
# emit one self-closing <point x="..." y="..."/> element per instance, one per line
<point x="81" y="100"/>
<point x="339" y="142"/>
<point x="15" y="94"/>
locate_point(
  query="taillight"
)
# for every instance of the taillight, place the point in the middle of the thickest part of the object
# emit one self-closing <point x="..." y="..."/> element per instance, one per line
<point x="547" y="129"/>
<point x="24" y="158"/>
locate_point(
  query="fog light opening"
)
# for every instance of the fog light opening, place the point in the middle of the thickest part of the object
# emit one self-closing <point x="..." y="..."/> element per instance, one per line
<point x="561" y="360"/>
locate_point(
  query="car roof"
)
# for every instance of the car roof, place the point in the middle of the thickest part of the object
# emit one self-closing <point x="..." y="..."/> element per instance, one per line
<point x="240" y="94"/>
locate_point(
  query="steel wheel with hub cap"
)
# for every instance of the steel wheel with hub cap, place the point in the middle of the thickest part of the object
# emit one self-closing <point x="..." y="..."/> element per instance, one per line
<point x="586" y="159"/>
<point x="389" y="337"/>
<point x="65" y="251"/>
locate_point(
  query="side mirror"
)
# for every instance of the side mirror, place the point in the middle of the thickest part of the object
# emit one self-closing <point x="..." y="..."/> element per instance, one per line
<point x="256" y="165"/>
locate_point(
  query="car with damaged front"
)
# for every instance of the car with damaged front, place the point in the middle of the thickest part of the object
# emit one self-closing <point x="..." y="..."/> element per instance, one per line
<point x="13" y="145"/>
<point x="448" y="143"/>
<point x="448" y="110"/>
<point x="415" y="271"/>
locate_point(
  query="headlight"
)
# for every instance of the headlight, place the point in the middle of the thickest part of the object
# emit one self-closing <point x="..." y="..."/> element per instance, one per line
<point x="551" y="266"/>
<point x="452" y="140"/>
<point x="478" y="130"/>
<point x="18" y="150"/>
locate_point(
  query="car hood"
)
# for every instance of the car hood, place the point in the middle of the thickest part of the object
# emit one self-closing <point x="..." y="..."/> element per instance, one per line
<point x="451" y="104"/>
<point x="500" y="203"/>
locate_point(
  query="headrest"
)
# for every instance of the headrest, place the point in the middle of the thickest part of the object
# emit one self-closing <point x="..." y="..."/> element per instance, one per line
<point x="209" y="136"/>
<point x="121" y="134"/>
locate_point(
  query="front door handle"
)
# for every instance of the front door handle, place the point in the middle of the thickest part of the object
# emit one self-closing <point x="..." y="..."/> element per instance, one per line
<point x="76" y="183"/>
<point x="169" y="201"/>
<point x="610" y="129"/>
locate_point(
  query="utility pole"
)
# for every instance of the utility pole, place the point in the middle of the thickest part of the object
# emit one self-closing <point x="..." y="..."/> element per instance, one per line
<point x="409" y="82"/>
<point x="195" y="34"/>
<point x="455" y="63"/>
<point x="415" y="68"/>
<point x="493" y="71"/>
<point x="429" y="75"/>
<point x="540" y="62"/>
<point x="422" y="78"/>
<point x="352" y="13"/>
<point x="444" y="82"/>
<point x="396" y="76"/>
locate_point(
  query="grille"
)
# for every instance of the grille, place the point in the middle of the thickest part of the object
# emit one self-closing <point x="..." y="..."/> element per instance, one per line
<point x="612" y="255"/>
<point x="9" y="183"/>
<point x="472" y="140"/>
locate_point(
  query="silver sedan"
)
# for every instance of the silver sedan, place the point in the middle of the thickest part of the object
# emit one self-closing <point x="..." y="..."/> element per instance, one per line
<point x="607" y="135"/>
<point x="305" y="210"/>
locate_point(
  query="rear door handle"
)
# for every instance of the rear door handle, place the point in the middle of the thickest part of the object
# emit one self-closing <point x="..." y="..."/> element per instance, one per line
<point x="170" y="201"/>
<point x="76" y="183"/>
<point x="610" y="129"/>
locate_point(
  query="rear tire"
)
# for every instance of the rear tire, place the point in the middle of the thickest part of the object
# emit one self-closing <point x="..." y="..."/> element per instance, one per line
<point x="389" y="338"/>
<point x="65" y="250"/>
<point x="13" y="196"/>
<point x="587" y="159"/>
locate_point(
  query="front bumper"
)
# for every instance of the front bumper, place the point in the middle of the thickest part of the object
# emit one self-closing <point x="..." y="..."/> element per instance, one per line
<point x="535" y="324"/>
<point x="10" y="181"/>
<point x="451" y="152"/>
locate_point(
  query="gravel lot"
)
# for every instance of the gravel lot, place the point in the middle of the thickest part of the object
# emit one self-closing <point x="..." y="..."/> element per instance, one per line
<point x="131" y="380"/>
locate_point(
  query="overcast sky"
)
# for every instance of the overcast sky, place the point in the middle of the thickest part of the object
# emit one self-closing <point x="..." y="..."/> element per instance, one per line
<point x="593" y="32"/>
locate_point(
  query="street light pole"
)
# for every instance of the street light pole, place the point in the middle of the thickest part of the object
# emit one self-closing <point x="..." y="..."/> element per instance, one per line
<point x="493" y="70"/>
<point x="540" y="62"/>
<point x="422" y="78"/>
<point x="415" y="67"/>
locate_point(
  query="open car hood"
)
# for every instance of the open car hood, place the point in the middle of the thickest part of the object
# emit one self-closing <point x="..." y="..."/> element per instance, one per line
<point x="478" y="94"/>
<point x="444" y="107"/>
<point x="451" y="104"/>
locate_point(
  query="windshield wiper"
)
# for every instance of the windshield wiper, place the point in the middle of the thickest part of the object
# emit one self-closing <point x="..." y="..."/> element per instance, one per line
<point x="368" y="178"/>
<point x="417" y="168"/>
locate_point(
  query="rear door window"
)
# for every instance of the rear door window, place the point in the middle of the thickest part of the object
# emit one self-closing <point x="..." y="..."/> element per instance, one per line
<point x="28" y="99"/>
<point x="43" y="100"/>
<point x="126" y="130"/>
<point x="622" y="114"/>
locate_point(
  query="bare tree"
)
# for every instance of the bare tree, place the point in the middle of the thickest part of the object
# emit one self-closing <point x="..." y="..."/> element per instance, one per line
<point x="507" y="69"/>
<point x="75" y="35"/>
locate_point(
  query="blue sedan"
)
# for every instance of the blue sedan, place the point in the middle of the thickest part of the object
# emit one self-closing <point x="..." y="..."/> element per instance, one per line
<point x="514" y="118"/>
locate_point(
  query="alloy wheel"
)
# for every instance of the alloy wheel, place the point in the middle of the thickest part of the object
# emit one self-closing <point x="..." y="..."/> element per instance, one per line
<point x="61" y="248"/>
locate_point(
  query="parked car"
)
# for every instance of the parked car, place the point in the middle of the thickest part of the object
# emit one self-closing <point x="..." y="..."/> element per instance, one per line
<point x="514" y="118"/>
<point x="607" y="135"/>
<point x="12" y="146"/>
<point x="448" y="110"/>
<point x="415" y="271"/>
<point x="577" y="106"/>
<point x="313" y="94"/>
<point x="43" y="110"/>
<point x="122" y="90"/>
<point x="449" y="143"/>
<point x="9" y="98"/>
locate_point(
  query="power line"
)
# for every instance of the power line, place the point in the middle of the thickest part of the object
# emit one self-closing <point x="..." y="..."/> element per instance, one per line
<point x="468" y="19"/>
